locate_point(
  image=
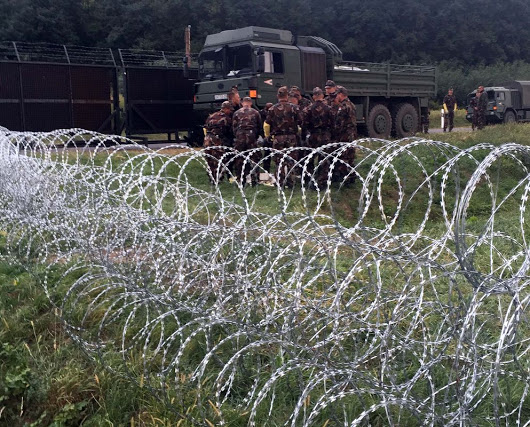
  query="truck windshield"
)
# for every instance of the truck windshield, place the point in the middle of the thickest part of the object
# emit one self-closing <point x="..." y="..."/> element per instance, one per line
<point x="238" y="60"/>
<point x="211" y="64"/>
<point x="226" y="62"/>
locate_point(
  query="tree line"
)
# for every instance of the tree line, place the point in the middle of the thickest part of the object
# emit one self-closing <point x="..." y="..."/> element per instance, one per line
<point x="460" y="36"/>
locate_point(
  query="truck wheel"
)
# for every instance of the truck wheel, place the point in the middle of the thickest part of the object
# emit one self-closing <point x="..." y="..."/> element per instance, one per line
<point x="405" y="120"/>
<point x="509" y="117"/>
<point x="379" y="122"/>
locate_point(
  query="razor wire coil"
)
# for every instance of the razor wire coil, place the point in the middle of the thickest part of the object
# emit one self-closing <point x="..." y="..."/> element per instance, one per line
<point x="366" y="300"/>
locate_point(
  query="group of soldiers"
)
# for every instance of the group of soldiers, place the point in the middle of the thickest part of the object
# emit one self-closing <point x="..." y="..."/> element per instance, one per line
<point x="288" y="126"/>
<point x="479" y="104"/>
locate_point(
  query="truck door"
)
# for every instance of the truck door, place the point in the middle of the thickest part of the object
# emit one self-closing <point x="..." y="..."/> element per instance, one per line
<point x="280" y="67"/>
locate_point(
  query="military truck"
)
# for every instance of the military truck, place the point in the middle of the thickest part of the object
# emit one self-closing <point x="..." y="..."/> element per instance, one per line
<point x="389" y="98"/>
<point x="507" y="103"/>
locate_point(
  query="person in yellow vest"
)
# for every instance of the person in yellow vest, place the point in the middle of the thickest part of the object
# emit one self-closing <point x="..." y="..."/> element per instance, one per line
<point x="449" y="110"/>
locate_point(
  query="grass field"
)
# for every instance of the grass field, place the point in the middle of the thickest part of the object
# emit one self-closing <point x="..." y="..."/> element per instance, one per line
<point x="460" y="119"/>
<point x="47" y="379"/>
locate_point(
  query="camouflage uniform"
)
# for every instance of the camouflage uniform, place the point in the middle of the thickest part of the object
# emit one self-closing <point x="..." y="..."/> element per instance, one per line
<point x="284" y="119"/>
<point x="318" y="120"/>
<point x="482" y="106"/>
<point x="218" y="134"/>
<point x="450" y="103"/>
<point x="304" y="103"/>
<point x="234" y="107"/>
<point x="246" y="125"/>
<point x="330" y="99"/>
<point x="345" y="130"/>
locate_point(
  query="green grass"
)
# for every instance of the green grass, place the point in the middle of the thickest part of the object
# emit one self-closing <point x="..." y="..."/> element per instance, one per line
<point x="459" y="121"/>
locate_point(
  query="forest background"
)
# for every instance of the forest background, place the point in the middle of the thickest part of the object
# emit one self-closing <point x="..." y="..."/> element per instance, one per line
<point x="472" y="42"/>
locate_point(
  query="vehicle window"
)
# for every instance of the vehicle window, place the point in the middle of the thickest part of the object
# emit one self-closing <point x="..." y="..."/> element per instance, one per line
<point x="500" y="96"/>
<point x="491" y="95"/>
<point x="273" y="62"/>
<point x="211" y="63"/>
<point x="238" y="60"/>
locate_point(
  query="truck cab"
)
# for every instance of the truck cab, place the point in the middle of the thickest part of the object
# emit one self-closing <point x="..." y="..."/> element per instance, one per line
<point x="507" y="103"/>
<point x="255" y="59"/>
<point x="500" y="105"/>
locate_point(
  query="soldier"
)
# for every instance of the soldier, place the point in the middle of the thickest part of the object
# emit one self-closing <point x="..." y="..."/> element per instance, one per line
<point x="218" y="128"/>
<point x="318" y="120"/>
<point x="235" y="100"/>
<point x="345" y="130"/>
<point x="331" y="92"/>
<point x="246" y="125"/>
<point x="449" y="110"/>
<point x="482" y="106"/>
<point x="284" y="119"/>
<point x="267" y="143"/>
<point x="292" y="98"/>
<point x="303" y="103"/>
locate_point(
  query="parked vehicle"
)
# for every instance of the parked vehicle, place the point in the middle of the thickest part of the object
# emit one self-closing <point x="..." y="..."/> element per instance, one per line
<point x="507" y="103"/>
<point x="389" y="98"/>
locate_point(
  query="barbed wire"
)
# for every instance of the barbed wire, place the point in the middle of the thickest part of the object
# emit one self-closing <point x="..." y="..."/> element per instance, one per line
<point x="401" y="298"/>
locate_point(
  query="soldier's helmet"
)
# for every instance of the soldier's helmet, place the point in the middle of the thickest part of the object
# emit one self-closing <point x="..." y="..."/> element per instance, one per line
<point x="247" y="99"/>
<point x="226" y="104"/>
<point x="330" y="83"/>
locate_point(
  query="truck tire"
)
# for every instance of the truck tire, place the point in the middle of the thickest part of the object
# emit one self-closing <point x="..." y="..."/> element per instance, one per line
<point x="509" y="117"/>
<point x="405" y="120"/>
<point x="379" y="122"/>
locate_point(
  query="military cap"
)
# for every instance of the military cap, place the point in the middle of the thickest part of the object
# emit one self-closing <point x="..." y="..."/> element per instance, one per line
<point x="292" y="94"/>
<point x="226" y="104"/>
<point x="283" y="92"/>
<point x="342" y="89"/>
<point x="317" y="91"/>
<point x="330" y="83"/>
<point x="247" y="99"/>
<point x="295" y="88"/>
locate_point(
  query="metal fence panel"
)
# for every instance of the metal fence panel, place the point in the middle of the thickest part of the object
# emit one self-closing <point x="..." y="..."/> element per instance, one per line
<point x="45" y="87"/>
<point x="10" y="96"/>
<point x="158" y="94"/>
<point x="158" y="100"/>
